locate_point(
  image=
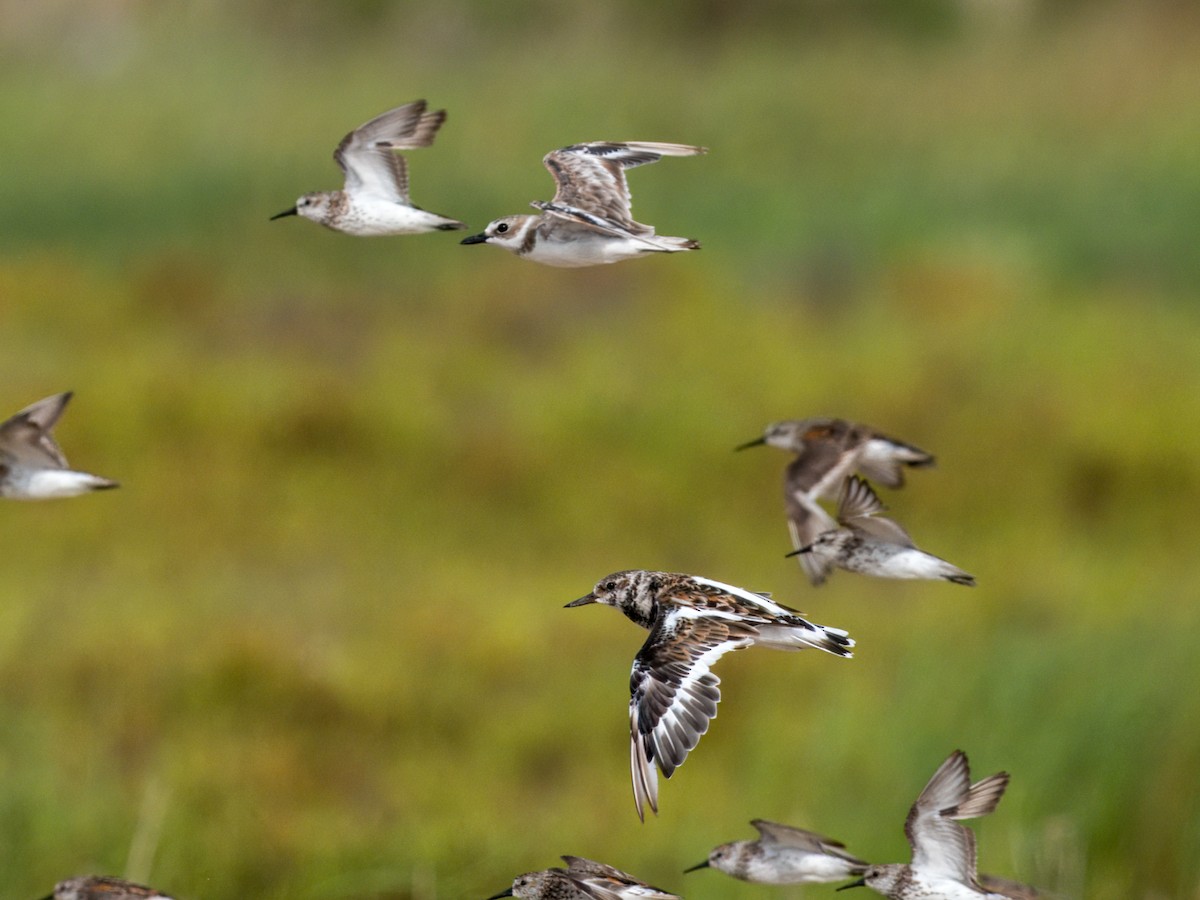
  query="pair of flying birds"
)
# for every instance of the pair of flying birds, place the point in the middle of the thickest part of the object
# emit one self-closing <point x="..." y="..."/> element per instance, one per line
<point x="830" y="457"/>
<point x="589" y="222"/>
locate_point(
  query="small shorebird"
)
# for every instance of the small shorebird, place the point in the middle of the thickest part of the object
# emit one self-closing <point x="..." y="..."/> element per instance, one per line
<point x="784" y="855"/>
<point x="590" y="221"/>
<point x="943" y="852"/>
<point x="32" y="467"/>
<point x="374" y="200"/>
<point x="583" y="879"/>
<point x="693" y="622"/>
<point x="827" y="451"/>
<point x="873" y="545"/>
<point x="99" y="887"/>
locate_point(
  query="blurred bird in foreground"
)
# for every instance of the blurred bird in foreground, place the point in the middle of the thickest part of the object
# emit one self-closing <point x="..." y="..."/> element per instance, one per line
<point x="827" y="452"/>
<point x="99" y="887"/>
<point x="582" y="879"/>
<point x="32" y="467"/>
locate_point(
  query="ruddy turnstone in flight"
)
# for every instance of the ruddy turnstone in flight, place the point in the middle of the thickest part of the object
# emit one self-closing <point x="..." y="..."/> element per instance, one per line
<point x="32" y="467"/>
<point x="827" y="451"/>
<point x="943" y="852"/>
<point x="589" y="222"/>
<point x="693" y="622"/>
<point x="784" y="855"/>
<point x="98" y="887"/>
<point x="374" y="200"/>
<point x="873" y="545"/>
<point x="582" y="879"/>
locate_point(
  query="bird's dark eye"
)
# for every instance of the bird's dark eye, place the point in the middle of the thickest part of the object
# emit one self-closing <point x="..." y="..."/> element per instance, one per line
<point x="608" y="586"/>
<point x="501" y="228"/>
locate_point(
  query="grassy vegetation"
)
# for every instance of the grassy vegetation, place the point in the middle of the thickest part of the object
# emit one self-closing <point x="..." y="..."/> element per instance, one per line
<point x="313" y="648"/>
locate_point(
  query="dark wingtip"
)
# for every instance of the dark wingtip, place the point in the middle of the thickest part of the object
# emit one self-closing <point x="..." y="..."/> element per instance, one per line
<point x="108" y="486"/>
<point x="968" y="580"/>
<point x="452" y="226"/>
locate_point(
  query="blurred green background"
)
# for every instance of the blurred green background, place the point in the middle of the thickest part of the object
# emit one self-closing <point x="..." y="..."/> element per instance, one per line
<point x="314" y="647"/>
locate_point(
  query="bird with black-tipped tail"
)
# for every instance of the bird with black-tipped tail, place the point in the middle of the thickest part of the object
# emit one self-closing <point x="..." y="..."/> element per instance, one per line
<point x="870" y="544"/>
<point x="590" y="220"/>
<point x="32" y="466"/>
<point x="693" y="622"/>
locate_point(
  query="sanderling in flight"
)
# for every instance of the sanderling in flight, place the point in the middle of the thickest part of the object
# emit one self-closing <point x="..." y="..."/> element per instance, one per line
<point x="943" y="852"/>
<point x="784" y="855"/>
<point x="589" y="221"/>
<point x="374" y="200"/>
<point x="827" y="451"/>
<point x="32" y="467"/>
<point x="693" y="622"/>
<point x="582" y="879"/>
<point x="98" y="887"/>
<point x="873" y="545"/>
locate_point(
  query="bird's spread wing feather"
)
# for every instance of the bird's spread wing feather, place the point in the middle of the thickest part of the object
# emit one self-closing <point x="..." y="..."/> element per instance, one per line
<point x="673" y="693"/>
<point x="26" y="437"/>
<point x="612" y="879"/>
<point x="806" y="520"/>
<point x="858" y="509"/>
<point x="367" y="154"/>
<point x="826" y="458"/>
<point x="591" y="176"/>
<point x="787" y="836"/>
<point x="941" y="847"/>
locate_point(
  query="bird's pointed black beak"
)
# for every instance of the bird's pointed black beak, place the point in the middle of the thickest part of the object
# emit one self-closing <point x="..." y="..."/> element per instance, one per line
<point x="807" y="549"/>
<point x="757" y="442"/>
<point x="862" y="882"/>
<point x="507" y="893"/>
<point x="703" y="865"/>
<point x="287" y="212"/>
<point x="475" y="239"/>
<point x="582" y="601"/>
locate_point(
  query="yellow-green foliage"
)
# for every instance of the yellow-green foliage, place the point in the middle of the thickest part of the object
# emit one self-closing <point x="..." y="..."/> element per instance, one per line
<point x="314" y="647"/>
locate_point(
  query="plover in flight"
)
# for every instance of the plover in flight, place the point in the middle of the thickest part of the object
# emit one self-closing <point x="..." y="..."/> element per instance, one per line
<point x="32" y="467"/>
<point x="873" y="545"/>
<point x="828" y="450"/>
<point x="583" y="879"/>
<point x="693" y="622"/>
<point x="784" y="855"/>
<point x="589" y="221"/>
<point x="374" y="200"/>
<point x="97" y="887"/>
<point x="943" y="852"/>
